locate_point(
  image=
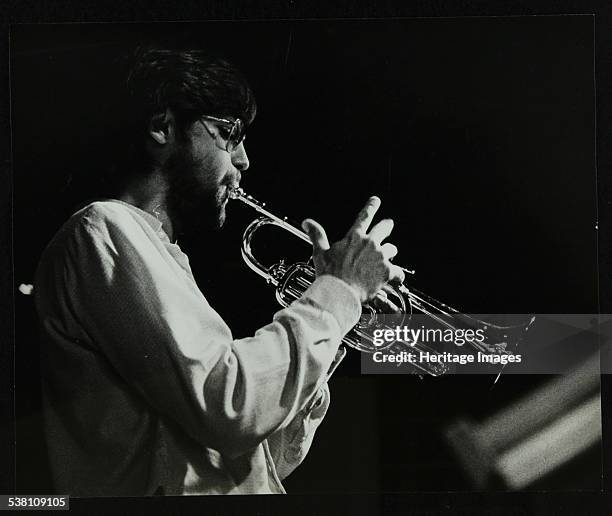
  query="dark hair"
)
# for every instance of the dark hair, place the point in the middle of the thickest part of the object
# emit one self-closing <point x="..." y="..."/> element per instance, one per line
<point x="190" y="82"/>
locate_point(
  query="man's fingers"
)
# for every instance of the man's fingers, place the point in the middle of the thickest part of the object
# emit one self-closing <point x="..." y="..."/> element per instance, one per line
<point x="381" y="230"/>
<point x="382" y="301"/>
<point x="317" y="235"/>
<point x="388" y="289"/>
<point x="396" y="275"/>
<point x="389" y="251"/>
<point x="366" y="215"/>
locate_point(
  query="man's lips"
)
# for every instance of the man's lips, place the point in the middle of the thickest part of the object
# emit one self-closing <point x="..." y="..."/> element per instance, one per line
<point x="228" y="189"/>
<point x="233" y="186"/>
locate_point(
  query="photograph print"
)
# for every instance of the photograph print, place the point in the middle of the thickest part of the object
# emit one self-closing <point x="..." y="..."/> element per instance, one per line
<point x="215" y="221"/>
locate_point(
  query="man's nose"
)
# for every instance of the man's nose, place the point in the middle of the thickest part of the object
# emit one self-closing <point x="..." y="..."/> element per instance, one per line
<point x="239" y="158"/>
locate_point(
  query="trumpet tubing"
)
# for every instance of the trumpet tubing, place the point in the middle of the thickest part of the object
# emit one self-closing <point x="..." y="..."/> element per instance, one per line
<point x="292" y="280"/>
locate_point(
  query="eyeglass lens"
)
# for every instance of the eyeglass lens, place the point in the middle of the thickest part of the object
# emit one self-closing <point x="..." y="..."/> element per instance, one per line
<point x="236" y="135"/>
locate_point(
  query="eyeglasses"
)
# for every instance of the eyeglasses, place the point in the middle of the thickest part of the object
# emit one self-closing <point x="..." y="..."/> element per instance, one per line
<point x="233" y="132"/>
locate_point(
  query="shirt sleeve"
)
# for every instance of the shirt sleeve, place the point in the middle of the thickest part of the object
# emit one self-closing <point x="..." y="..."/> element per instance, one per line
<point x="146" y="317"/>
<point x="290" y="445"/>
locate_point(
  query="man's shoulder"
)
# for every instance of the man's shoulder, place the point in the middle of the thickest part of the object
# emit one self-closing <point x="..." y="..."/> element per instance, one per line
<point x="100" y="219"/>
<point x="100" y="225"/>
<point x="85" y="224"/>
<point x="102" y="212"/>
<point x="109" y="214"/>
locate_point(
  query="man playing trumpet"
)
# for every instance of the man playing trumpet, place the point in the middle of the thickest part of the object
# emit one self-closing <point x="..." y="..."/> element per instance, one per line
<point x="145" y="389"/>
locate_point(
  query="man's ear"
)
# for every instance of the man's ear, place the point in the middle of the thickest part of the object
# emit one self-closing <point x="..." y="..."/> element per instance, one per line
<point x="161" y="127"/>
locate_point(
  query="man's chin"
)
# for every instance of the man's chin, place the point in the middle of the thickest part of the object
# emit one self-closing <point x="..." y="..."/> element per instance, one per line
<point x="195" y="221"/>
<point x="215" y="222"/>
<point x="221" y="219"/>
<point x="221" y="214"/>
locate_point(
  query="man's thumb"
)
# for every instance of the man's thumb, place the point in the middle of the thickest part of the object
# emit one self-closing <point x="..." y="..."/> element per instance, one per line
<point x="317" y="235"/>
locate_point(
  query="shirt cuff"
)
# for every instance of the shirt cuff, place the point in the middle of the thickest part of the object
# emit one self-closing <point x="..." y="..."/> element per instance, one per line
<point x="337" y="297"/>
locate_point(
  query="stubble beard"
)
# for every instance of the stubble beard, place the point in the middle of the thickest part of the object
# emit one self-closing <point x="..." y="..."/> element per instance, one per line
<point x="192" y="206"/>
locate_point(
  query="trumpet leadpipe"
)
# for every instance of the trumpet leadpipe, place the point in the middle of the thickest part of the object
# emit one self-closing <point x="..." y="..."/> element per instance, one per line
<point x="240" y="195"/>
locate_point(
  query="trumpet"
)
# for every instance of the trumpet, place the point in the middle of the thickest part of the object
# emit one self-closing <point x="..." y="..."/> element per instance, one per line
<point x="292" y="280"/>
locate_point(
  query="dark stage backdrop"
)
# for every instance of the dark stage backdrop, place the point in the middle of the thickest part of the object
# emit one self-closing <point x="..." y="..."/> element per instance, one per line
<point x="477" y="133"/>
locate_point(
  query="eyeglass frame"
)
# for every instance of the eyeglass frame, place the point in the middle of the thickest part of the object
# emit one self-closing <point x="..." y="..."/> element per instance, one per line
<point x="237" y="125"/>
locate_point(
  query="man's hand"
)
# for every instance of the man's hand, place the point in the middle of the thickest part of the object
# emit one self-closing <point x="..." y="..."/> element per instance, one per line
<point x="360" y="258"/>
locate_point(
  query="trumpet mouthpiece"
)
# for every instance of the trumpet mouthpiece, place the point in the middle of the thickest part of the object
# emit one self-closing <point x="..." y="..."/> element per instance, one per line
<point x="236" y="193"/>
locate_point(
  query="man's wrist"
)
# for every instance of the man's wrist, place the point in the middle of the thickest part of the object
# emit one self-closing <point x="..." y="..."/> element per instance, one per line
<point x="359" y="292"/>
<point x="337" y="297"/>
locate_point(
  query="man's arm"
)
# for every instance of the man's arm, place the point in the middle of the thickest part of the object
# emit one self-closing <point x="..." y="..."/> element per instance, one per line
<point x="290" y="445"/>
<point x="157" y="331"/>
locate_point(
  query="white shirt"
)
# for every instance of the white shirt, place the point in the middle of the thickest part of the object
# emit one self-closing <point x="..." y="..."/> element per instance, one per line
<point x="145" y="389"/>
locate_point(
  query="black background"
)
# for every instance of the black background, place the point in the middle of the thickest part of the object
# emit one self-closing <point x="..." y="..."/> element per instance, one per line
<point x="476" y="133"/>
